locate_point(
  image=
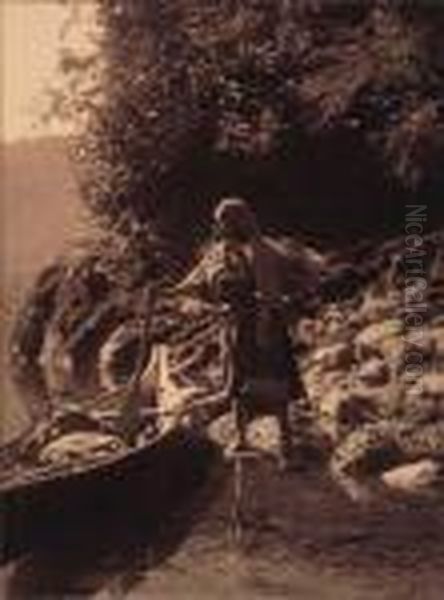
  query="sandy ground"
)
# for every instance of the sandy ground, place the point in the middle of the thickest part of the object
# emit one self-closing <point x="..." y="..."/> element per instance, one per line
<point x="302" y="540"/>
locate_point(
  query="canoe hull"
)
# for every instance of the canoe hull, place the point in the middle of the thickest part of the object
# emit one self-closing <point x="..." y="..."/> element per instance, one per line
<point x="140" y="486"/>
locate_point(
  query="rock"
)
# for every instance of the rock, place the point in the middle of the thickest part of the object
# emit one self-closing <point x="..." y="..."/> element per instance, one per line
<point x="413" y="477"/>
<point x="354" y="323"/>
<point x="418" y="407"/>
<point x="384" y="400"/>
<point x="437" y="335"/>
<point x="374" y="372"/>
<point x="375" y="308"/>
<point x="343" y="410"/>
<point x="328" y="411"/>
<point x="422" y="341"/>
<point x="319" y="382"/>
<point x="383" y="337"/>
<point x="438" y="321"/>
<point x="337" y="356"/>
<point x="334" y="330"/>
<point x="433" y="384"/>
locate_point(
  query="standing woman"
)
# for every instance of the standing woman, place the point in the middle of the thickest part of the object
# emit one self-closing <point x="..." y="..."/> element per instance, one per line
<point x="260" y="280"/>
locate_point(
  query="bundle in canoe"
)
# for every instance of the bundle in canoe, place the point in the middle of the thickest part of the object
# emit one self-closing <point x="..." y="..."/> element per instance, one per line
<point x="108" y="432"/>
<point x="81" y="450"/>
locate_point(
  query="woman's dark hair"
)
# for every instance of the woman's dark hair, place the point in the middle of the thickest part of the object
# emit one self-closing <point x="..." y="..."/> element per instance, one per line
<point x="234" y="218"/>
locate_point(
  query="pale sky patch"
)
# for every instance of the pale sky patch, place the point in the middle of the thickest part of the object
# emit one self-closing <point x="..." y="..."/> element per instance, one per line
<point x="32" y="33"/>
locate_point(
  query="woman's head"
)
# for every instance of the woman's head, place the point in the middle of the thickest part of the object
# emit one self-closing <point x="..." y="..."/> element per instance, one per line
<point x="235" y="220"/>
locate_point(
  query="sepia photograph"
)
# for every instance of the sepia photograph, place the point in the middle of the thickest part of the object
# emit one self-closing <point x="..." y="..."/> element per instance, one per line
<point x="222" y="300"/>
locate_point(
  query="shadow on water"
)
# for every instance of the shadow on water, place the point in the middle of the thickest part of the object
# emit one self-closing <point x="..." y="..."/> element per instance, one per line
<point x="73" y="543"/>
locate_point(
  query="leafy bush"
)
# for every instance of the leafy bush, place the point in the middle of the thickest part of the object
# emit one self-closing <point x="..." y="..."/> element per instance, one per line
<point x="198" y="99"/>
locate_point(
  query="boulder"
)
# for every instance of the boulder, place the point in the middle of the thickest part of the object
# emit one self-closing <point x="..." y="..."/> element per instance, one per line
<point x="413" y="477"/>
<point x="374" y="308"/>
<point x="374" y="372"/>
<point x="336" y="356"/>
<point x="318" y="381"/>
<point x="329" y="408"/>
<point x="380" y="338"/>
<point x="437" y="335"/>
<point x="433" y="385"/>
<point x="344" y="409"/>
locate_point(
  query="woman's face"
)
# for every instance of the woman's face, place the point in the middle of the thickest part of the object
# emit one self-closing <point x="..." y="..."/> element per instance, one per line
<point x="236" y="226"/>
